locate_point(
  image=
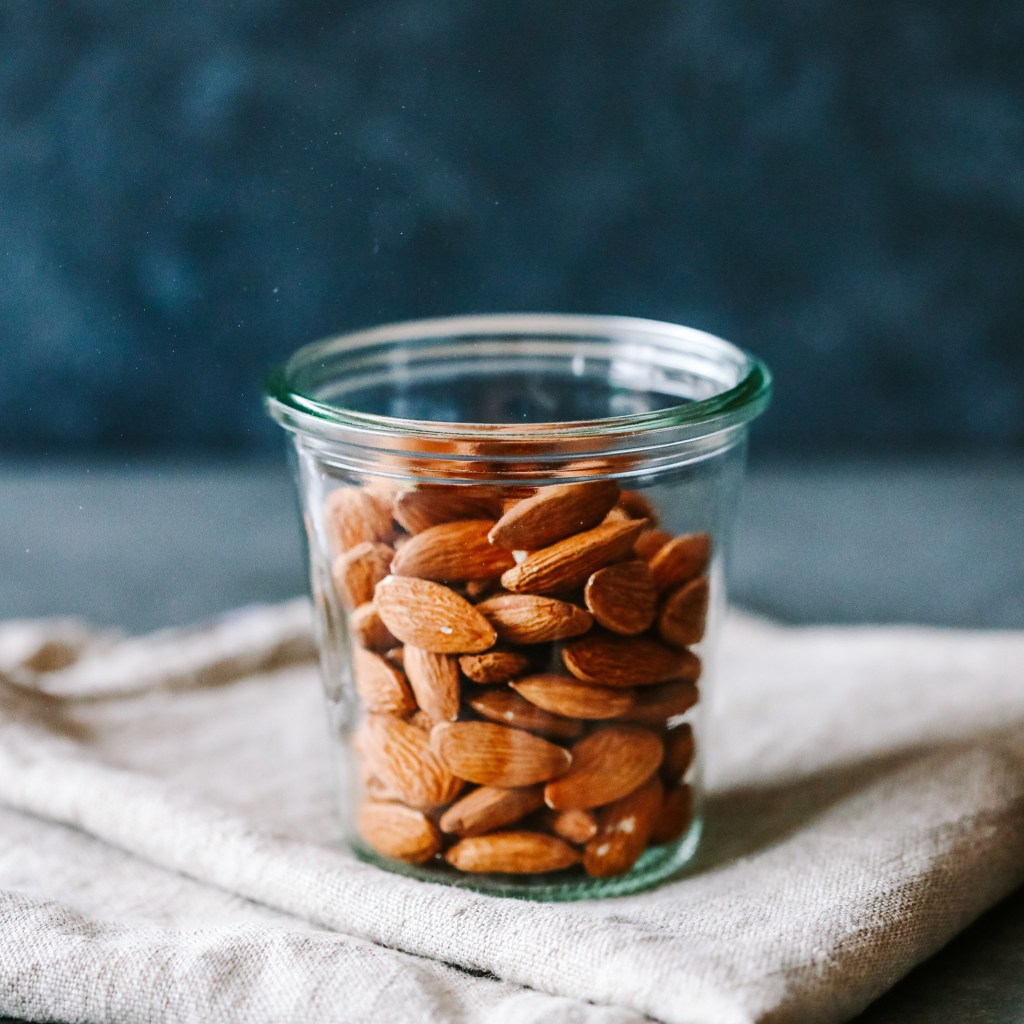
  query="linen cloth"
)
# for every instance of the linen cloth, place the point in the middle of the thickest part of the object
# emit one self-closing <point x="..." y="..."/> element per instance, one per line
<point x="169" y="852"/>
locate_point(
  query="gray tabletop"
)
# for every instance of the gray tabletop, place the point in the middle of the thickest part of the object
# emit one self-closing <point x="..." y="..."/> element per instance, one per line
<point x="143" y="545"/>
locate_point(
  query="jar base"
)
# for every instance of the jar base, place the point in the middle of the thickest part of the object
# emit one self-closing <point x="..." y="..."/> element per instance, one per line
<point x="656" y="865"/>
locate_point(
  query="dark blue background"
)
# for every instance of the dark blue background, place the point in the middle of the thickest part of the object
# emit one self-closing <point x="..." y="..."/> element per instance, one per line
<point x="190" y="190"/>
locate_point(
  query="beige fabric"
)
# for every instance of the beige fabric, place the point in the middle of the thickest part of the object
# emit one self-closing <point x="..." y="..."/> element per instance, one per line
<point x="168" y="841"/>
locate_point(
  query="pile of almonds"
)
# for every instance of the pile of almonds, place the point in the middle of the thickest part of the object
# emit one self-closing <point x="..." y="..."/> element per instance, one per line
<point x="522" y="660"/>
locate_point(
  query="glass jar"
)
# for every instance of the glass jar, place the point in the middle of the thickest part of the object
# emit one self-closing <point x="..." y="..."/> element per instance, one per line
<point x="518" y="528"/>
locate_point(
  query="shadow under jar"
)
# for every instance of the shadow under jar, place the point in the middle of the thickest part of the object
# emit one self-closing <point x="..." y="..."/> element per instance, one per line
<point x="518" y="527"/>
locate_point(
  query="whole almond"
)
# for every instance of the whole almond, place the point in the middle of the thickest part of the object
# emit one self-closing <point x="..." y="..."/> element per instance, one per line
<point x="458" y="550"/>
<point x="489" y="808"/>
<point x="420" y="509"/>
<point x="606" y="765"/>
<point x="509" y="708"/>
<point x="431" y="616"/>
<point x="368" y="629"/>
<point x="553" y="513"/>
<point x="565" y="695"/>
<point x="622" y="597"/>
<point x="512" y="853"/>
<point x="567" y="563"/>
<point x="573" y="826"/>
<point x="359" y="570"/>
<point x="623" y="831"/>
<point x="532" y="619"/>
<point x="679" y="750"/>
<point x="681" y="559"/>
<point x="638" y="506"/>
<point x="381" y="687"/>
<point x="495" y="755"/>
<point x="434" y="679"/>
<point x="675" y="815"/>
<point x="609" y="660"/>
<point x="400" y="755"/>
<point x="398" y="831"/>
<point x="498" y="665"/>
<point x="649" y="542"/>
<point x="655" y="705"/>
<point x="352" y="516"/>
<point x="684" y="614"/>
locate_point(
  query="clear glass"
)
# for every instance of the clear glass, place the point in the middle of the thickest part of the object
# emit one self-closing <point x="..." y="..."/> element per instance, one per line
<point x="518" y="532"/>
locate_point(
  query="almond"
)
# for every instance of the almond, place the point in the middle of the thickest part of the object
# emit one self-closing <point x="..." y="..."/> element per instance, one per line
<point x="637" y="506"/>
<point x="398" y="831"/>
<point x="458" y="550"/>
<point x="476" y="590"/>
<point x="566" y="564"/>
<point x="351" y="517"/>
<point x="368" y="630"/>
<point x="513" y="853"/>
<point x="495" y="755"/>
<point x="606" y="765"/>
<point x="608" y="660"/>
<point x="685" y="613"/>
<point x="498" y="665"/>
<point x="565" y="695"/>
<point x="431" y="616"/>
<point x="434" y="679"/>
<point x="623" y="830"/>
<point x="420" y="509"/>
<point x="509" y="708"/>
<point x="381" y="687"/>
<point x="651" y="541"/>
<point x="531" y="619"/>
<point x="655" y="705"/>
<point x="489" y="808"/>
<point x="553" y="513"/>
<point x="679" y="749"/>
<point x="399" y="754"/>
<point x="680" y="560"/>
<point x="622" y="597"/>
<point x="675" y="815"/>
<point x="573" y="826"/>
<point x="359" y="570"/>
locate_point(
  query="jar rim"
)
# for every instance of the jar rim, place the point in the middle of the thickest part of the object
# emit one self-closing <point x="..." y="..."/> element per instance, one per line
<point x="734" y="406"/>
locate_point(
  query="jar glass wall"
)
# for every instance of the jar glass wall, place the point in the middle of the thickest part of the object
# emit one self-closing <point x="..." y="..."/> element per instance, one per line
<point x="518" y="532"/>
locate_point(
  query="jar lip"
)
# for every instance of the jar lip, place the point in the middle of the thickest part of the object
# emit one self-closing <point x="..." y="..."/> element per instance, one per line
<point x="731" y="407"/>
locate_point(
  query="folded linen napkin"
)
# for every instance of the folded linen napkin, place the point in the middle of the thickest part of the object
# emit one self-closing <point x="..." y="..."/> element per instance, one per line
<point x="170" y="852"/>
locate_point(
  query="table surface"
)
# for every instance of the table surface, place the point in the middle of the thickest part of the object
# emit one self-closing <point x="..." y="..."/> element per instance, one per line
<point x="143" y="545"/>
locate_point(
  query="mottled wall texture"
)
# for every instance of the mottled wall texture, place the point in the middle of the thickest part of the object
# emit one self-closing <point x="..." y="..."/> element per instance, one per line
<point x="190" y="189"/>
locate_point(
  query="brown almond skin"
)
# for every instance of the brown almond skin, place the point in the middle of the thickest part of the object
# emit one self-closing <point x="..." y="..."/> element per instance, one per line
<point x="679" y="751"/>
<point x="680" y="560"/>
<point x="609" y="660"/>
<point x="675" y="815"/>
<point x="458" y="550"/>
<point x="623" y="597"/>
<point x="381" y="687"/>
<point x="398" y="831"/>
<point x="572" y="826"/>
<point x="567" y="696"/>
<point x="684" y="613"/>
<point x="399" y="754"/>
<point x="352" y="516"/>
<point x="568" y="563"/>
<point x="623" y="831"/>
<point x="431" y="616"/>
<point x="638" y="506"/>
<point x="512" y="853"/>
<point x="358" y="571"/>
<point x="368" y="629"/>
<point x="489" y="808"/>
<point x="434" y="679"/>
<point x="606" y="765"/>
<point x="419" y="509"/>
<point x="495" y="755"/>
<point x="509" y="708"/>
<point x="553" y="513"/>
<point x="655" y="705"/>
<point x="650" y="542"/>
<point x="494" y="666"/>
<point x="532" y="619"/>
